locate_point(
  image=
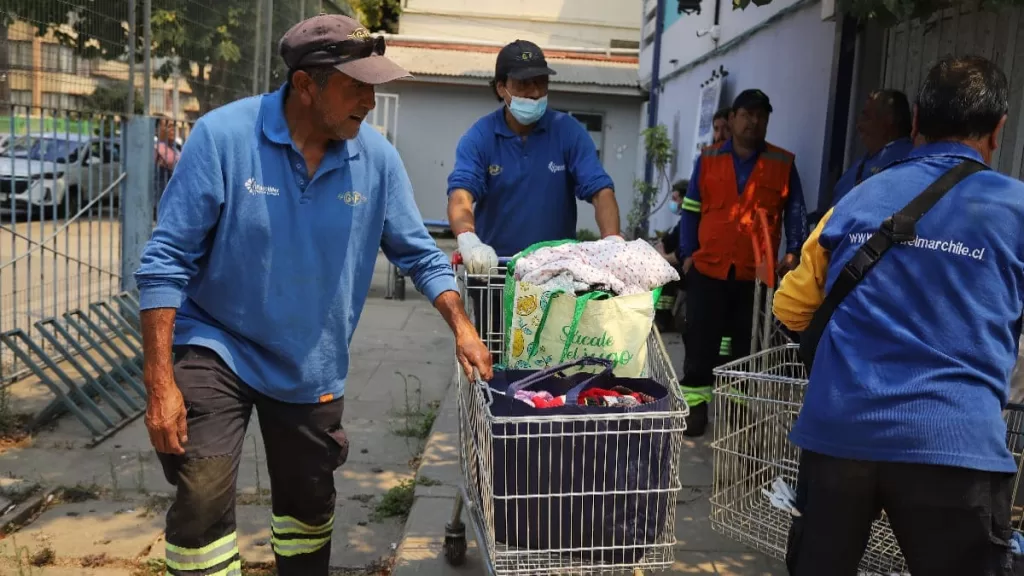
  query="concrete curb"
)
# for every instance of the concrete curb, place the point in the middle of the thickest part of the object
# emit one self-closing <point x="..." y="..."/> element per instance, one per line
<point x="24" y="512"/>
<point x="421" y="550"/>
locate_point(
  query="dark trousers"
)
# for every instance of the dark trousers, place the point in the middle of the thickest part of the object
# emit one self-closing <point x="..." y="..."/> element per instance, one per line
<point x="714" y="309"/>
<point x="486" y="295"/>
<point x="948" y="521"/>
<point x="305" y="444"/>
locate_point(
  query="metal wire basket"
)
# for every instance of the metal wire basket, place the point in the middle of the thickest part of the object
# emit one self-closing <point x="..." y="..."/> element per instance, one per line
<point x="480" y="432"/>
<point x="757" y="400"/>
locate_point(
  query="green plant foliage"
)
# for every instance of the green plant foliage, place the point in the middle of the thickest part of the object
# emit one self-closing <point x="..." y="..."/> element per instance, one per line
<point x="658" y="148"/>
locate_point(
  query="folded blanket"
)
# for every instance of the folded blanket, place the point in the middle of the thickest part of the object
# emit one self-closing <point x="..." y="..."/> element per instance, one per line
<point x="620" y="267"/>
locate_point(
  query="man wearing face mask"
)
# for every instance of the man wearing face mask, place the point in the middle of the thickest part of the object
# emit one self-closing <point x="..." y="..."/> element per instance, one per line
<point x="519" y="170"/>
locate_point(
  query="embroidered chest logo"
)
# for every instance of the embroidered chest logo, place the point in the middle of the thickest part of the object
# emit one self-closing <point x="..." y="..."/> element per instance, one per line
<point x="353" y="198"/>
<point x="555" y="168"/>
<point x="494" y="169"/>
<point x="252" y="187"/>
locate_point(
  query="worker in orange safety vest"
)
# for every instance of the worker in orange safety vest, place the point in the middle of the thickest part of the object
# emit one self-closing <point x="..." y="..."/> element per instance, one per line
<point x="731" y="182"/>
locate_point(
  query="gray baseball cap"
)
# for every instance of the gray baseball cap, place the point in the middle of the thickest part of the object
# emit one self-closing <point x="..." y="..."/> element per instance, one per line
<point x="339" y="41"/>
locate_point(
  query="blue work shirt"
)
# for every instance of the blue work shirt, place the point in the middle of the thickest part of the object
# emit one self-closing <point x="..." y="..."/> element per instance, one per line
<point x="525" y="189"/>
<point x="271" y="268"/>
<point x="794" y="217"/>
<point x="867" y="166"/>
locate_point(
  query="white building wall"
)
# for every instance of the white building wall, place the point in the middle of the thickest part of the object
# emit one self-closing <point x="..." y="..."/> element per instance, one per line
<point x="433" y="117"/>
<point x="586" y="23"/>
<point x="791" y="62"/>
<point x="681" y="43"/>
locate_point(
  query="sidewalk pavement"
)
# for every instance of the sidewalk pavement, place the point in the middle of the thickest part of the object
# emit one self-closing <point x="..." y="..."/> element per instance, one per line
<point x="102" y="508"/>
<point x="699" y="550"/>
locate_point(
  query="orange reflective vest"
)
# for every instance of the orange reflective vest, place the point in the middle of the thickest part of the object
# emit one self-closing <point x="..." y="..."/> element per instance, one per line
<point x="726" y="216"/>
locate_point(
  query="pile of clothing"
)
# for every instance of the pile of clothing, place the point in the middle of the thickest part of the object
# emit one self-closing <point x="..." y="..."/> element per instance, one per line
<point x="616" y="266"/>
<point x="619" y="396"/>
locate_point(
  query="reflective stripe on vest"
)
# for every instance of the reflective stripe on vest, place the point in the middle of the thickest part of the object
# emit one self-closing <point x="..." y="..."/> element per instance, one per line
<point x="727" y="216"/>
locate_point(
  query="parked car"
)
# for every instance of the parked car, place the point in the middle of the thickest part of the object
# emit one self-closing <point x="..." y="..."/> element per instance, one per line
<point x="56" y="174"/>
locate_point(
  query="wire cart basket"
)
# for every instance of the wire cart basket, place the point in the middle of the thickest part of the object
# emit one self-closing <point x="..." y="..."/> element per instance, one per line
<point x="757" y="400"/>
<point x="493" y="514"/>
<point x="766" y="332"/>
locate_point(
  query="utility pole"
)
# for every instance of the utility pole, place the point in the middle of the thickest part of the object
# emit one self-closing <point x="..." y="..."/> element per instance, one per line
<point x="256" y="49"/>
<point x="270" y="44"/>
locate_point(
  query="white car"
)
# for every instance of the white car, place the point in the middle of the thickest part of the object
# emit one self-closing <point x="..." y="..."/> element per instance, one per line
<point x="51" y="174"/>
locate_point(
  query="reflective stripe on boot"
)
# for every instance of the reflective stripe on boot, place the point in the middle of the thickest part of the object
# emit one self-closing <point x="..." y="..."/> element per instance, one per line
<point x="291" y="537"/>
<point x="219" y="558"/>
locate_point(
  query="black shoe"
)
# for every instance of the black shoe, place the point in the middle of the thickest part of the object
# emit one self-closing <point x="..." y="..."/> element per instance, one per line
<point x="696" y="420"/>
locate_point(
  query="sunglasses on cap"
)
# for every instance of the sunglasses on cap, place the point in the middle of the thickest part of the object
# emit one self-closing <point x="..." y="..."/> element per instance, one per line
<point x="349" y="50"/>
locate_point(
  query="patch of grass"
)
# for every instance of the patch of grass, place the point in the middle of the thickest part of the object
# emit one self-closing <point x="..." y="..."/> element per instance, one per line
<point x="13" y="426"/>
<point x="419" y="424"/>
<point x="397" y="502"/>
<point x="43" y="557"/>
<point x="80" y="493"/>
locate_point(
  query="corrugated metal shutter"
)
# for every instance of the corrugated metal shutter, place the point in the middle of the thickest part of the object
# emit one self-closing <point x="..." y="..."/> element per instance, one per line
<point x="912" y="48"/>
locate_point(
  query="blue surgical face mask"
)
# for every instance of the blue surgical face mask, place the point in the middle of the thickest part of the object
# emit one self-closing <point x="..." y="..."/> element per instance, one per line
<point x="526" y="110"/>
<point x="673" y="207"/>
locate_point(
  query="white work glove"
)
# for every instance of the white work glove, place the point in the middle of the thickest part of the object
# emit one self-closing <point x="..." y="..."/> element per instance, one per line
<point x="478" y="257"/>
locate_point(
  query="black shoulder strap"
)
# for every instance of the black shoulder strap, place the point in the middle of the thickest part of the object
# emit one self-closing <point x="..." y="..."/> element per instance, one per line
<point x="900" y="227"/>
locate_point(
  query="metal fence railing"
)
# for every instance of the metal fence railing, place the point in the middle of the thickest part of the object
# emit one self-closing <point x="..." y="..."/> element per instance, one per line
<point x="71" y="74"/>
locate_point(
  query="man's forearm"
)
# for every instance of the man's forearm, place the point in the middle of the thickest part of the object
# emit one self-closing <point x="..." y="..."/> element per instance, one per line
<point x="460" y="212"/>
<point x="606" y="213"/>
<point x="157" y="339"/>
<point x="449" y="304"/>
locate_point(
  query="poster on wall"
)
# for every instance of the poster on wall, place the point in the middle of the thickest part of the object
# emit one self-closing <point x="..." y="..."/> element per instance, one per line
<point x="707" y="105"/>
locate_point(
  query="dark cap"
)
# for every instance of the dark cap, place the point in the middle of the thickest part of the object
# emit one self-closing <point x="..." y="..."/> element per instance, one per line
<point x="339" y="41"/>
<point x="752" y="100"/>
<point x="521" y="60"/>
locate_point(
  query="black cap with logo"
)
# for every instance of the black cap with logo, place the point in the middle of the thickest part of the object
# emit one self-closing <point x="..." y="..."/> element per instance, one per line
<point x="752" y="99"/>
<point x="521" y="60"/>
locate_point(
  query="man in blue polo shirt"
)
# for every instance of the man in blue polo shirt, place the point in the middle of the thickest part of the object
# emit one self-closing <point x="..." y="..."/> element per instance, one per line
<point x="903" y="409"/>
<point x="255" y="278"/>
<point x="519" y="170"/>
<point x="884" y="129"/>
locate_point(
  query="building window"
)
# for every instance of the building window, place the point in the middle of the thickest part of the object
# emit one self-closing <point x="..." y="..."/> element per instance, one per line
<point x="20" y="54"/>
<point x="630" y="44"/>
<point x="21" y="97"/>
<point x="59" y="101"/>
<point x="594" y="125"/>
<point x="57" y="58"/>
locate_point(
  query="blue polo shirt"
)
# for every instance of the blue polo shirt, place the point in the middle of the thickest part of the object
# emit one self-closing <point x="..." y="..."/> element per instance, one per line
<point x="868" y="166"/>
<point x="525" y="189"/>
<point x="794" y="213"/>
<point x="271" y="268"/>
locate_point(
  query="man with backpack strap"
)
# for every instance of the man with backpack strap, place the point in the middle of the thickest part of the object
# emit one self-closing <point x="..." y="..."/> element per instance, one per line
<point x="909" y="295"/>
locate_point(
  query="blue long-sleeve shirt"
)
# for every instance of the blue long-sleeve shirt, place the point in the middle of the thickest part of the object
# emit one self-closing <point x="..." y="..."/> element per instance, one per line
<point x="271" y="268"/>
<point x="794" y="217"/>
<point x="867" y="166"/>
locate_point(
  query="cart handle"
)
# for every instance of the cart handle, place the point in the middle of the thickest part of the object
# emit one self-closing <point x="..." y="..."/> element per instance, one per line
<point x="764" y="261"/>
<point x="457" y="260"/>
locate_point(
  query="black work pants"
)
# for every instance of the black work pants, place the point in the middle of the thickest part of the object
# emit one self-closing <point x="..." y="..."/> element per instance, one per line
<point x="948" y="521"/>
<point x="715" y="309"/>
<point x="305" y="444"/>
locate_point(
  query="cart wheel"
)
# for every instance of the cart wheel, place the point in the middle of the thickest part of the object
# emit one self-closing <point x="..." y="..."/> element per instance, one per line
<point x="455" y="544"/>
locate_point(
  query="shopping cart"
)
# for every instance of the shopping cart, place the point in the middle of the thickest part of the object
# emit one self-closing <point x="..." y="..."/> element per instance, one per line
<point x="766" y="331"/>
<point x="480" y="432"/>
<point x="752" y="450"/>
